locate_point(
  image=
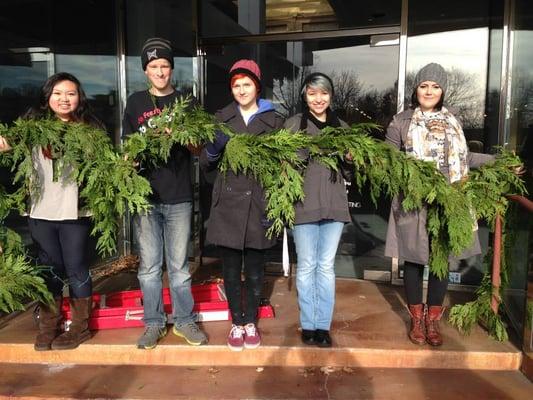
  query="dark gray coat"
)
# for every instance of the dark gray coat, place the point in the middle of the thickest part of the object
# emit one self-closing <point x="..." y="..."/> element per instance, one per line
<point x="324" y="198"/>
<point x="237" y="219"/>
<point x="407" y="237"/>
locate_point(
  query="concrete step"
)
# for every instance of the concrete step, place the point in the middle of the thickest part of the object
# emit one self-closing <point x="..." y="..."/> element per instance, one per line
<point x="30" y="381"/>
<point x="369" y="331"/>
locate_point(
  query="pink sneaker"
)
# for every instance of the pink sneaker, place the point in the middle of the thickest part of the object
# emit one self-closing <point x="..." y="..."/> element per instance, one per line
<point x="252" y="338"/>
<point x="236" y="338"/>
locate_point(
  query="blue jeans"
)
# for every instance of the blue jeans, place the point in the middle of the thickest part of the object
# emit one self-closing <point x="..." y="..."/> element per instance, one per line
<point x="165" y="228"/>
<point x="316" y="246"/>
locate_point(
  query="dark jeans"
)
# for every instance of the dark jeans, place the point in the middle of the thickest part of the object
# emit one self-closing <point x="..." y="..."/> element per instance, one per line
<point x="63" y="250"/>
<point x="232" y="261"/>
<point x="413" y="275"/>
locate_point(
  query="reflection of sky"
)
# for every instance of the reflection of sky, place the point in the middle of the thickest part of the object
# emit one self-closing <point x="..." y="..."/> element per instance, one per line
<point x="97" y="73"/>
<point x="465" y="49"/>
<point x="375" y="67"/>
<point x="523" y="56"/>
<point x="16" y="76"/>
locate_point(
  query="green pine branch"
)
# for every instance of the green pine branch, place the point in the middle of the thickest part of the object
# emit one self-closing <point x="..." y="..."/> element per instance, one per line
<point x="82" y="154"/>
<point x="273" y="159"/>
<point x="177" y="124"/>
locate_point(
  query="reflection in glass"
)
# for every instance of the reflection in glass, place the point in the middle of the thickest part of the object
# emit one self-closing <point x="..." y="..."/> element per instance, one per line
<point x="460" y="38"/>
<point x="98" y="75"/>
<point x="364" y="78"/>
<point x="519" y="136"/>
<point x="365" y="83"/>
<point x="463" y="53"/>
<point x="245" y="17"/>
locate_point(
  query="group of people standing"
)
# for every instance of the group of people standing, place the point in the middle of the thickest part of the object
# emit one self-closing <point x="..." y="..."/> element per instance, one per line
<point x="238" y="223"/>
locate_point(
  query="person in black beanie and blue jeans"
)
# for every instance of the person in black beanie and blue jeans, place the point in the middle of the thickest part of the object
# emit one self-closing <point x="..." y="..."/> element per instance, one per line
<point x="165" y="229"/>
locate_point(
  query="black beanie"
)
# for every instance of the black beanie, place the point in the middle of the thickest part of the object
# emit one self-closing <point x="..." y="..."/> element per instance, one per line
<point x="155" y="48"/>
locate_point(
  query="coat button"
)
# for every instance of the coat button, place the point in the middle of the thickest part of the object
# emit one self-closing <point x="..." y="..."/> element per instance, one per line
<point x="248" y="192"/>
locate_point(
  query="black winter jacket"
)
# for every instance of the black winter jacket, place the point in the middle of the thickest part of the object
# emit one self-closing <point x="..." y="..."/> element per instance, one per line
<point x="237" y="219"/>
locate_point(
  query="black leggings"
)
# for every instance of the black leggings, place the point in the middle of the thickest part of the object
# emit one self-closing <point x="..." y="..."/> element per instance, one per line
<point x="63" y="250"/>
<point x="254" y="272"/>
<point x="413" y="278"/>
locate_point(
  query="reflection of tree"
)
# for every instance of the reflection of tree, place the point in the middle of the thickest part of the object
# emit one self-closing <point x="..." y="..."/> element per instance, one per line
<point x="286" y="92"/>
<point x="14" y="101"/>
<point x="522" y="97"/>
<point x="464" y="96"/>
<point x="348" y="88"/>
<point x="522" y="116"/>
<point x="351" y="101"/>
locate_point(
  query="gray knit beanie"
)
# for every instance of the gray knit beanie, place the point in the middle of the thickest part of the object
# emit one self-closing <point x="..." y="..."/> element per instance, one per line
<point x="432" y="72"/>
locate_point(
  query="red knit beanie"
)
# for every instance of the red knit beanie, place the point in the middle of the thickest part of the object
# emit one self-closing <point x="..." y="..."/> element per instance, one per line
<point x="249" y="68"/>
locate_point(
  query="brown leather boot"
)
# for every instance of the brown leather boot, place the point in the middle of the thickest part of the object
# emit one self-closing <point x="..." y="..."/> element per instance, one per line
<point x="433" y="316"/>
<point x="49" y="324"/>
<point x="78" y="331"/>
<point x="417" y="333"/>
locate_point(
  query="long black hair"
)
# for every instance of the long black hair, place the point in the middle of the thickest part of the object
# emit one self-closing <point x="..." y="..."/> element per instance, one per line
<point x="82" y="113"/>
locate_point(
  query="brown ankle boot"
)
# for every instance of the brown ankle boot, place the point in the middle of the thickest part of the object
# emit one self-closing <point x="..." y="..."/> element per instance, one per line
<point x="50" y="319"/>
<point x="417" y="333"/>
<point x="78" y="331"/>
<point x="433" y="316"/>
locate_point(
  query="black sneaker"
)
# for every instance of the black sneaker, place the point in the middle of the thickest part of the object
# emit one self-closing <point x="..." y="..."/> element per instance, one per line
<point x="308" y="337"/>
<point x="322" y="338"/>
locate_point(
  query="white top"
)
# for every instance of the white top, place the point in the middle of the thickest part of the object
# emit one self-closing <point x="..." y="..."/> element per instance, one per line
<point x="57" y="201"/>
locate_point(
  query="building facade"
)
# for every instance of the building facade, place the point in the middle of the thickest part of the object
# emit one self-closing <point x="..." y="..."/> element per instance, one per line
<point x="370" y="49"/>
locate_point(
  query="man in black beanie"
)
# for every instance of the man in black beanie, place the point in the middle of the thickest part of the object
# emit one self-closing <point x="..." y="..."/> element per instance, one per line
<point x="165" y="229"/>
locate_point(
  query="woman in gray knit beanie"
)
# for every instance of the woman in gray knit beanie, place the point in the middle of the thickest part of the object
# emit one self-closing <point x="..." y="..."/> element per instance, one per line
<point x="430" y="73"/>
<point x="427" y="132"/>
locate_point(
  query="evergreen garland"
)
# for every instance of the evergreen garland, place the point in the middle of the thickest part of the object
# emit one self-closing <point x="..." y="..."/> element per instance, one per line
<point x="487" y="188"/>
<point x="19" y="279"/>
<point x="452" y="209"/>
<point x="108" y="184"/>
<point x="108" y="181"/>
<point x="274" y="161"/>
<point x="178" y="124"/>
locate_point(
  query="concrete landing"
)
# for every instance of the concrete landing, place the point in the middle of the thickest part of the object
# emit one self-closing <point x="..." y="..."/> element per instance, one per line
<point x="26" y="382"/>
<point x="369" y="331"/>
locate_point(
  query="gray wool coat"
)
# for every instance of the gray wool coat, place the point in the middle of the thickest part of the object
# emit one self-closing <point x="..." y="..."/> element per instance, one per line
<point x="324" y="198"/>
<point x="237" y="219"/>
<point x="407" y="237"/>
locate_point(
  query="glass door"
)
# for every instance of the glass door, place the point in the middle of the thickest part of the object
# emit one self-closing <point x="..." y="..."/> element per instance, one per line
<point x="364" y="70"/>
<point x="22" y="73"/>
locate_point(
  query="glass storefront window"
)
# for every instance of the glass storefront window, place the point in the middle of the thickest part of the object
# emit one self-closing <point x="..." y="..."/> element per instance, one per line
<point x="466" y="40"/>
<point x="174" y="21"/>
<point x="519" y="137"/>
<point x="465" y="61"/>
<point x="364" y="70"/>
<point x="98" y="75"/>
<point x="41" y="37"/>
<point x="245" y="17"/>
